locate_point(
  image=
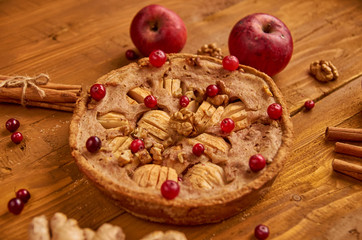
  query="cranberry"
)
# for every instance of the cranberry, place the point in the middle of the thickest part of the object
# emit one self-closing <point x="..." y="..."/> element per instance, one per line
<point x="230" y="63"/>
<point x="212" y="90"/>
<point x="184" y="101"/>
<point x="309" y="104"/>
<point x="257" y="162"/>
<point x="227" y="125"/>
<point x="198" y="149"/>
<point x="150" y="101"/>
<point x="23" y="194"/>
<point x="97" y="92"/>
<point x="17" y="137"/>
<point x="157" y="58"/>
<point x="15" y="206"/>
<point x="261" y="232"/>
<point x="137" y="145"/>
<point x="170" y="189"/>
<point x="12" y="124"/>
<point x="131" y="54"/>
<point x="275" y="111"/>
<point x="93" y="144"/>
<point x="180" y="179"/>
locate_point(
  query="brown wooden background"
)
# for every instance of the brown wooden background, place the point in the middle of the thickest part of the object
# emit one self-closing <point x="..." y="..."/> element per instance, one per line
<point x="79" y="41"/>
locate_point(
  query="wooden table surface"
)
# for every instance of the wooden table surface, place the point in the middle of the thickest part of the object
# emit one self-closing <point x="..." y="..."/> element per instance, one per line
<point x="79" y="41"/>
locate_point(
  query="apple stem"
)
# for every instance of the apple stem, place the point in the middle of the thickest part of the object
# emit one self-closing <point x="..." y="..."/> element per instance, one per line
<point x="267" y="28"/>
<point x="154" y="26"/>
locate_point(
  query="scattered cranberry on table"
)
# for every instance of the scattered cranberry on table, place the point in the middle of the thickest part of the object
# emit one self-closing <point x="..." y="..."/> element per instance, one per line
<point x="97" y="92"/>
<point x="212" y="90"/>
<point x="93" y="144"/>
<point x="309" y="104"/>
<point x="15" y="206"/>
<point x="150" y="101"/>
<point x="137" y="145"/>
<point x="16" y="137"/>
<point x="157" y="58"/>
<point x="12" y="125"/>
<point x="170" y="189"/>
<point x="227" y="125"/>
<point x="275" y="111"/>
<point x="261" y="232"/>
<point x="257" y="162"/>
<point x="198" y="149"/>
<point x="131" y="55"/>
<point x="184" y="101"/>
<point x="23" y="195"/>
<point x="230" y="63"/>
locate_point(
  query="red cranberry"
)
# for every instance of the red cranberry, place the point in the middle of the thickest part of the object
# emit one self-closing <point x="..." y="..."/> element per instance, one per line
<point x="230" y="63"/>
<point x="257" y="162"/>
<point x="227" y="125"/>
<point x="309" y="104"/>
<point x="157" y="58"/>
<point x="23" y="194"/>
<point x="198" y="149"/>
<point x="212" y="90"/>
<point x="184" y="101"/>
<point x="17" y="137"/>
<point x="137" y="145"/>
<point x="150" y="101"/>
<point x="15" y="206"/>
<point x="261" y="232"/>
<point x="170" y="189"/>
<point x="12" y="125"/>
<point x="275" y="111"/>
<point x="131" y="55"/>
<point x="93" y="144"/>
<point x="97" y="92"/>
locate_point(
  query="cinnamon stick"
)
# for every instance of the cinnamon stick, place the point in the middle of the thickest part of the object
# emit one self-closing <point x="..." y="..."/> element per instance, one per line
<point x="56" y="86"/>
<point x="347" y="168"/>
<point x="348" y="149"/>
<point x="68" y="107"/>
<point x="60" y="86"/>
<point x="31" y="94"/>
<point x="347" y="134"/>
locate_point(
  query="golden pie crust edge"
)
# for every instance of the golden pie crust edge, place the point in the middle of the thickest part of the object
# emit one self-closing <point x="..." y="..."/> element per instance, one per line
<point x="187" y="212"/>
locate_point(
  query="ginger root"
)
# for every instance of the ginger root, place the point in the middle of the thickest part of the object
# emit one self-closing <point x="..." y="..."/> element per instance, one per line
<point x="168" y="235"/>
<point x="62" y="228"/>
<point x="38" y="229"/>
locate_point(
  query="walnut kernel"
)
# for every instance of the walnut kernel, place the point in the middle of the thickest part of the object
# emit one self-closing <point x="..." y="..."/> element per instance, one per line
<point x="323" y="71"/>
<point x="210" y="50"/>
<point x="183" y="122"/>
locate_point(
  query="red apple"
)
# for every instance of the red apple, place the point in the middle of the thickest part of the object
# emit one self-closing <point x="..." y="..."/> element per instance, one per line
<point x="156" y="27"/>
<point x="261" y="41"/>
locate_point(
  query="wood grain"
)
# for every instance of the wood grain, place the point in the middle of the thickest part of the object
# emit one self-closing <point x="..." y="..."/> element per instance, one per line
<point x="76" y="42"/>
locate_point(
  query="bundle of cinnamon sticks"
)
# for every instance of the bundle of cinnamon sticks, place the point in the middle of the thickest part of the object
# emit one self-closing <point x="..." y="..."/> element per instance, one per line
<point x="38" y="92"/>
<point x="346" y="134"/>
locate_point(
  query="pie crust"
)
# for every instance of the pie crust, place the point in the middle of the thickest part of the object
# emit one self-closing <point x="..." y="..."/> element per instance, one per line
<point x="214" y="186"/>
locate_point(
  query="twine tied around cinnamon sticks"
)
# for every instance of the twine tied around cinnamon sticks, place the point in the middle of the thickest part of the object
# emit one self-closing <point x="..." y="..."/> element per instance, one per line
<point x="38" y="91"/>
<point x="24" y="82"/>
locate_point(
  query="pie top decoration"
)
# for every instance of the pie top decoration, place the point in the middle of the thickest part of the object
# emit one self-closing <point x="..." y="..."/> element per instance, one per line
<point x="187" y="142"/>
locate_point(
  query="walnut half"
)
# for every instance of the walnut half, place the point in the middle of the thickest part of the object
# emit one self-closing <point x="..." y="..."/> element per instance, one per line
<point x="323" y="71"/>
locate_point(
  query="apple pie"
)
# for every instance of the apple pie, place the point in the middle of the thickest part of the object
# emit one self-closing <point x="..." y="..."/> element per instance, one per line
<point x="190" y="122"/>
